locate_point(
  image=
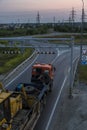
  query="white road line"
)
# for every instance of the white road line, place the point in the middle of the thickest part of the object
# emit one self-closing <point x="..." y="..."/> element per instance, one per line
<point x="28" y="67"/>
<point x="25" y="70"/>
<point x="55" y="105"/>
<point x="20" y="65"/>
<point x="21" y="72"/>
<point x="56" y="56"/>
<point x="57" y="100"/>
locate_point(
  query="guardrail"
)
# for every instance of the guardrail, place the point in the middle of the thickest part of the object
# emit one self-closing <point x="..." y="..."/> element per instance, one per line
<point x="75" y="67"/>
<point x="32" y="38"/>
<point x="19" y="66"/>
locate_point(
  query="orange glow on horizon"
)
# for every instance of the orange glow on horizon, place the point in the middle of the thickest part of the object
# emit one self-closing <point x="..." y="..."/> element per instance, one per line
<point x="26" y="5"/>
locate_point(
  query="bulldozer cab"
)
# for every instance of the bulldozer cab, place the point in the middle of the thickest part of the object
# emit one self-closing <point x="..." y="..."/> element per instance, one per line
<point x="5" y="112"/>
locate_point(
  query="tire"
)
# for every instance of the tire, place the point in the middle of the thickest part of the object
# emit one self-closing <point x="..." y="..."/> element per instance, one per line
<point x="44" y="100"/>
<point x="51" y="86"/>
<point x="43" y="103"/>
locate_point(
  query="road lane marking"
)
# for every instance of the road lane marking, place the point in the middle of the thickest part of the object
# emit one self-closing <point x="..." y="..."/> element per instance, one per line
<point x="20" y="65"/>
<point x="57" y="100"/>
<point x="55" y="105"/>
<point x="6" y="86"/>
<point x="56" y="56"/>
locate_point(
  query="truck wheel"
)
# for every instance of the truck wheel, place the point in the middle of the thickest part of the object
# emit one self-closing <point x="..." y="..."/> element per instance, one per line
<point x="44" y="100"/>
<point x="50" y="86"/>
<point x="41" y="107"/>
<point x="43" y="103"/>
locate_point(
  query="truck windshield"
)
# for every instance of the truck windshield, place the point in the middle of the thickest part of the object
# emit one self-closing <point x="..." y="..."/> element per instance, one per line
<point x="37" y="70"/>
<point x="1" y="112"/>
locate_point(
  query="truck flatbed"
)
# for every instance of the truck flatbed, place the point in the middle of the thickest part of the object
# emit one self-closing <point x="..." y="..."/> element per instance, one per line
<point x="36" y="90"/>
<point x="20" y="120"/>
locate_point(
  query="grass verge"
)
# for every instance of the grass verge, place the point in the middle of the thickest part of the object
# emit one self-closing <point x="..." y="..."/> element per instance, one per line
<point x="10" y="61"/>
<point x="82" y="70"/>
<point x="76" y="36"/>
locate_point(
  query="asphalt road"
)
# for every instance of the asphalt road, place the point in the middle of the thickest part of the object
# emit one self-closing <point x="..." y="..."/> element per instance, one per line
<point x="62" y="64"/>
<point x="47" y="119"/>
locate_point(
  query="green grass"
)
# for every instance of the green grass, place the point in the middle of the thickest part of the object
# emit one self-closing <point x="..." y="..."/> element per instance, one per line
<point x="77" y="38"/>
<point x="10" y="61"/>
<point x="82" y="70"/>
<point x="11" y="32"/>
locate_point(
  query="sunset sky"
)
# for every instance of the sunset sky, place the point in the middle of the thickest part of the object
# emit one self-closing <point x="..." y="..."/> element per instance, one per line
<point x="27" y="5"/>
<point x="26" y="10"/>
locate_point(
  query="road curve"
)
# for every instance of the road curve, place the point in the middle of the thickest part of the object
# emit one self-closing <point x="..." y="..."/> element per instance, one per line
<point x="62" y="64"/>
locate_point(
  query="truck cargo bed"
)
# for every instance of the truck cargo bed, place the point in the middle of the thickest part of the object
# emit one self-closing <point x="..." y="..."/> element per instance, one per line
<point x="20" y="120"/>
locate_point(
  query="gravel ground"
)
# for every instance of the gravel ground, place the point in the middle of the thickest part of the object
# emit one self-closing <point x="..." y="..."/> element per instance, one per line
<point x="72" y="114"/>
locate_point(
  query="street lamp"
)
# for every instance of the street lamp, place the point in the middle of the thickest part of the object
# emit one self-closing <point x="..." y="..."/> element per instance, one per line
<point x="82" y="23"/>
<point x="83" y="3"/>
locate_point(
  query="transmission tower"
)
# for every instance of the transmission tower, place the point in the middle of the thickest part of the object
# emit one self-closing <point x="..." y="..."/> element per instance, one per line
<point x="38" y="18"/>
<point x="70" y="20"/>
<point x="72" y="17"/>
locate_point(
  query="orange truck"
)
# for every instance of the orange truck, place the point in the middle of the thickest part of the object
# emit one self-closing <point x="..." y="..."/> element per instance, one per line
<point x="35" y="92"/>
<point x="43" y="73"/>
<point x="21" y="109"/>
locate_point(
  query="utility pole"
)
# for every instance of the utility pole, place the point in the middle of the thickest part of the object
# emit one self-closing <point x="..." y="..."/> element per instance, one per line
<point x="71" y="69"/>
<point x="71" y="56"/>
<point x="82" y="29"/>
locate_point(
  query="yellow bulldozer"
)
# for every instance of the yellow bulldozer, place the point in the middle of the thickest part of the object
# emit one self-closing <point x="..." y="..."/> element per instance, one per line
<point x="20" y="109"/>
<point x="15" y="116"/>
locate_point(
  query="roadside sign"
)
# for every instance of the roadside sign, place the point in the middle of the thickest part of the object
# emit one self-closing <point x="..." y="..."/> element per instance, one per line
<point x="84" y="62"/>
<point x="84" y="57"/>
<point x="84" y="52"/>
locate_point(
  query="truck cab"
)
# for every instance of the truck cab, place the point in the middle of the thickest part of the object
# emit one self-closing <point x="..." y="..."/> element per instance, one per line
<point x="39" y="69"/>
<point x="43" y="73"/>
